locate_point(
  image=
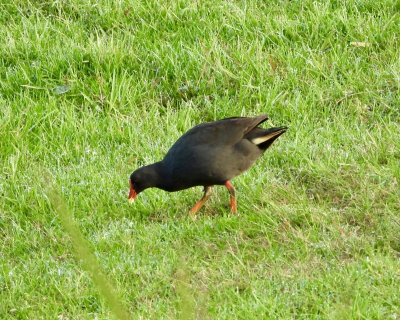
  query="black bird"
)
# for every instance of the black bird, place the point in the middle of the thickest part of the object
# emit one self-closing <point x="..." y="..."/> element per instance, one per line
<point x="210" y="153"/>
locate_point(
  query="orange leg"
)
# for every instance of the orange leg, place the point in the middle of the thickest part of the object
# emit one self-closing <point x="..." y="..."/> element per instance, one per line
<point x="198" y="205"/>
<point x="232" y="192"/>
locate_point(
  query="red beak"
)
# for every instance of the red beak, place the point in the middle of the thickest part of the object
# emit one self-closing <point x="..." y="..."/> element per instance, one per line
<point x="132" y="193"/>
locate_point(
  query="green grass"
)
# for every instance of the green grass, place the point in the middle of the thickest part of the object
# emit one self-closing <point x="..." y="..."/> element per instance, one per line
<point x="90" y="91"/>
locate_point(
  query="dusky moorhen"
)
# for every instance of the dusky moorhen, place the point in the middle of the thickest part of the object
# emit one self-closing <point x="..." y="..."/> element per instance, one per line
<point x="210" y="153"/>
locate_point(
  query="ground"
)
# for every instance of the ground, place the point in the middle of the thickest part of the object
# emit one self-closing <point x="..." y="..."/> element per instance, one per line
<point x="90" y="91"/>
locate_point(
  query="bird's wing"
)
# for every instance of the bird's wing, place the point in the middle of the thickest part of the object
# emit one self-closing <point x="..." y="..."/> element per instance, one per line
<point x="225" y="132"/>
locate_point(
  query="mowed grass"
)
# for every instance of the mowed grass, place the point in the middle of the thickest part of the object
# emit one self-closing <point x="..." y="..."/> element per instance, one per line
<point x="90" y="91"/>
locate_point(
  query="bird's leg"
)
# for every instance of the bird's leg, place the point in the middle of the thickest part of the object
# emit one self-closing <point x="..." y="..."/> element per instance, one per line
<point x="198" y="205"/>
<point x="232" y="192"/>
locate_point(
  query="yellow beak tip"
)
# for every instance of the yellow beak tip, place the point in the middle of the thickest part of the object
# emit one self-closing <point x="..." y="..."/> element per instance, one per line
<point x="131" y="200"/>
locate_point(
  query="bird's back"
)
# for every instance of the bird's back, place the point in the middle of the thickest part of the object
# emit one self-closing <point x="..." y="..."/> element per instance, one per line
<point x="211" y="153"/>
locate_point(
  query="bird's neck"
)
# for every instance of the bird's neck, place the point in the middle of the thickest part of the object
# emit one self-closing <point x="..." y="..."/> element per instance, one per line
<point x="155" y="174"/>
<point x="162" y="176"/>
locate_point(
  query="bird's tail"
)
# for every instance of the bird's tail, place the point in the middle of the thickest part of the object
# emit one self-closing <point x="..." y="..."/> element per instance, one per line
<point x="264" y="138"/>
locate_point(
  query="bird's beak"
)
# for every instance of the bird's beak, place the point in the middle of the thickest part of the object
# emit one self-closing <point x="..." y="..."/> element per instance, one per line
<point x="132" y="193"/>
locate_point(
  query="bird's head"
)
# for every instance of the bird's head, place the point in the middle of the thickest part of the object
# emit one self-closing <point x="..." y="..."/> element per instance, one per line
<point x="141" y="179"/>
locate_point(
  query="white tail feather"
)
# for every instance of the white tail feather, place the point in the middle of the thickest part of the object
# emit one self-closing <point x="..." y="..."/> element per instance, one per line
<point x="262" y="139"/>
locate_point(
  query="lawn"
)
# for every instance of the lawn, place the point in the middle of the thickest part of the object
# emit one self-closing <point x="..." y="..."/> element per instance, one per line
<point x="92" y="90"/>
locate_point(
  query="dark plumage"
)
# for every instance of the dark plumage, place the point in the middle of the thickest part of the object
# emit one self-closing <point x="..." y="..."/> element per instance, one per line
<point x="209" y="154"/>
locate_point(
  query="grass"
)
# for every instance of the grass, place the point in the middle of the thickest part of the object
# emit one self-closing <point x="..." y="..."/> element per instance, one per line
<point x="91" y="91"/>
